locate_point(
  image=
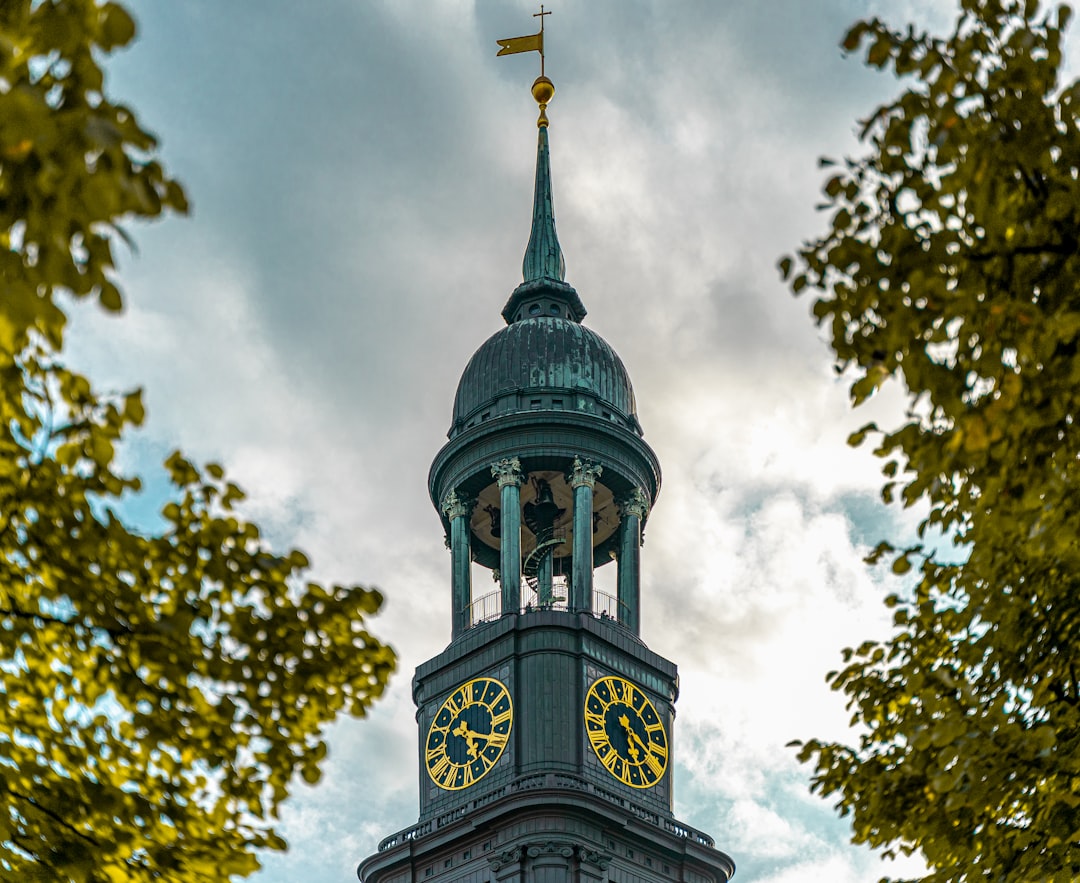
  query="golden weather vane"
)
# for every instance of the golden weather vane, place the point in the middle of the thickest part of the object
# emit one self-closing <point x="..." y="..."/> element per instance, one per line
<point x="543" y="88"/>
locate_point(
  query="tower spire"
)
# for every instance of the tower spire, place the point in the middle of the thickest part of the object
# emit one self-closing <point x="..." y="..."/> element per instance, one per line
<point x="543" y="270"/>
<point x="543" y="256"/>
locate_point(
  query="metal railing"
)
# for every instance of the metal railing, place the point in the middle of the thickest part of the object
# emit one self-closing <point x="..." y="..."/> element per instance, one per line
<point x="604" y="606"/>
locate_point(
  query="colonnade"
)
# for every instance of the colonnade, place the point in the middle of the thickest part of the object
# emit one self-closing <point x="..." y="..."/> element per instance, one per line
<point x="582" y="477"/>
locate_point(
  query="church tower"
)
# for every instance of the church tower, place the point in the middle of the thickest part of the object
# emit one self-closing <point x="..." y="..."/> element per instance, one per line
<point x="546" y="726"/>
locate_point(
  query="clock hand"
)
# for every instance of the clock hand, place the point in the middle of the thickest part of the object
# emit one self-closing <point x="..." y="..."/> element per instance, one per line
<point x="631" y="738"/>
<point x="462" y="730"/>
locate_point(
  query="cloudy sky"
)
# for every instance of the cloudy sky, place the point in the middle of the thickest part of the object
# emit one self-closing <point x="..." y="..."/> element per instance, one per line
<point x="361" y="176"/>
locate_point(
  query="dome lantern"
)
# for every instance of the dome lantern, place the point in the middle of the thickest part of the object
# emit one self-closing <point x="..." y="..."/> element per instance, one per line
<point x="546" y="474"/>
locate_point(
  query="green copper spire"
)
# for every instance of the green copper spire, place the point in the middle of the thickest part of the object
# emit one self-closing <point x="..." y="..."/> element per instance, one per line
<point x="543" y="257"/>
<point x="544" y="290"/>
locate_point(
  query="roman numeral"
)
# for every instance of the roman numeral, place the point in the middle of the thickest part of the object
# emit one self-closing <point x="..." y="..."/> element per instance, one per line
<point x="438" y="770"/>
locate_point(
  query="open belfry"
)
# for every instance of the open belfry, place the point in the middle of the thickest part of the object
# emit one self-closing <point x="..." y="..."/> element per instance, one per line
<point x="546" y="744"/>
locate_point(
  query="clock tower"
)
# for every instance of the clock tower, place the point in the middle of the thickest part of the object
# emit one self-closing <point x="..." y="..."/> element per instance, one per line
<point x="546" y="727"/>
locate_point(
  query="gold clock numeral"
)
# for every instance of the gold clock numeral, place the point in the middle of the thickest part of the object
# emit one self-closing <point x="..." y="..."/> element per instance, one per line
<point x="626" y="732"/>
<point x="594" y="721"/>
<point x="469" y="733"/>
<point x="439" y="767"/>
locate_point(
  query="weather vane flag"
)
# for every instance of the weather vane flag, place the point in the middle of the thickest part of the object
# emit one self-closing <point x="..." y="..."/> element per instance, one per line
<point x="531" y="43"/>
<point x="543" y="88"/>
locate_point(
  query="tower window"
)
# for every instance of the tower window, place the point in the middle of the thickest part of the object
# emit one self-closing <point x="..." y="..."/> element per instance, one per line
<point x="534" y="310"/>
<point x="535" y="403"/>
<point x="485" y="415"/>
<point x="556" y="403"/>
<point x="467" y="854"/>
<point x="554" y="310"/>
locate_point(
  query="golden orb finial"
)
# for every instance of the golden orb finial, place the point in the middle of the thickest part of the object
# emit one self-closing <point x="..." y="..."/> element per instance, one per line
<point x="542" y="90"/>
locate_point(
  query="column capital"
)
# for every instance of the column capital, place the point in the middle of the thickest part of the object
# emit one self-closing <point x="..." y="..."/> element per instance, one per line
<point x="584" y="473"/>
<point x="563" y="850"/>
<point x="599" y="860"/>
<point x="455" y="505"/>
<point x="507" y="471"/>
<point x="635" y="503"/>
<point x="511" y="856"/>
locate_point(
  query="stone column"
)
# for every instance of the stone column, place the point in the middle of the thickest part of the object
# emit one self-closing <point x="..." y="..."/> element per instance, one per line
<point x="632" y="512"/>
<point x="459" y="509"/>
<point x="507" y="473"/>
<point x="582" y="479"/>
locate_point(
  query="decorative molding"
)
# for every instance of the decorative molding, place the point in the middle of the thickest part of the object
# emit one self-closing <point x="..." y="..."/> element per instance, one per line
<point x="456" y="506"/>
<point x="507" y="471"/>
<point x="635" y="503"/>
<point x="507" y="857"/>
<point x="594" y="857"/>
<point x="550" y="848"/>
<point x="557" y="783"/>
<point x="584" y="473"/>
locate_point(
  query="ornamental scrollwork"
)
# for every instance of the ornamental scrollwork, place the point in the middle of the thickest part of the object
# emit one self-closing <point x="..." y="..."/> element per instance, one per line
<point x="456" y="505"/>
<point x="593" y="857"/>
<point x="584" y="473"/>
<point x="635" y="503"/>
<point x="507" y="472"/>
<point x="550" y="848"/>
<point x="506" y="857"/>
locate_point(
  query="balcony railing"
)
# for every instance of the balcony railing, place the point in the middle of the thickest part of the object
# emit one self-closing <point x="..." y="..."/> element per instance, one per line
<point x="489" y="607"/>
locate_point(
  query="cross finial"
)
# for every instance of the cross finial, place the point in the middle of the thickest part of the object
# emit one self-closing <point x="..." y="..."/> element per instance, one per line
<point x="540" y="15"/>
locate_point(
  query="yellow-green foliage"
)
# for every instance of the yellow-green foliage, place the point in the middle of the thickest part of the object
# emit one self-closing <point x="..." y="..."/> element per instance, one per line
<point x="157" y="693"/>
<point x="953" y="264"/>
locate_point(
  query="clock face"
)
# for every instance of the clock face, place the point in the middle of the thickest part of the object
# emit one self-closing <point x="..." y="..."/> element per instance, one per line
<point x="626" y="732"/>
<point x="469" y="733"/>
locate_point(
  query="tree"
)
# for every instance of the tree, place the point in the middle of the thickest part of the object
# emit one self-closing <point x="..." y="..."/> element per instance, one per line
<point x="159" y="692"/>
<point x="952" y="263"/>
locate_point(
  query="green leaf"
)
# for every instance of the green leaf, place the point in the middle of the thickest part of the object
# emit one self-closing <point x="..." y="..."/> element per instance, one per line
<point x="117" y="27"/>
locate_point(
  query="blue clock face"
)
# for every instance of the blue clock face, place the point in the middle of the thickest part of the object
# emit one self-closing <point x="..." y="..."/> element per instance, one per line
<point x="469" y="732"/>
<point x="626" y="732"/>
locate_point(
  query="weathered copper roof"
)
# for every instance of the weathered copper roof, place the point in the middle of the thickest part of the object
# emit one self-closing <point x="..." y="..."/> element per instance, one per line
<point x="544" y="363"/>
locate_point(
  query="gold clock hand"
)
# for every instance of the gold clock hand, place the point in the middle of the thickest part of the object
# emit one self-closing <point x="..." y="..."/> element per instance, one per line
<point x="462" y="730"/>
<point x="631" y="738"/>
